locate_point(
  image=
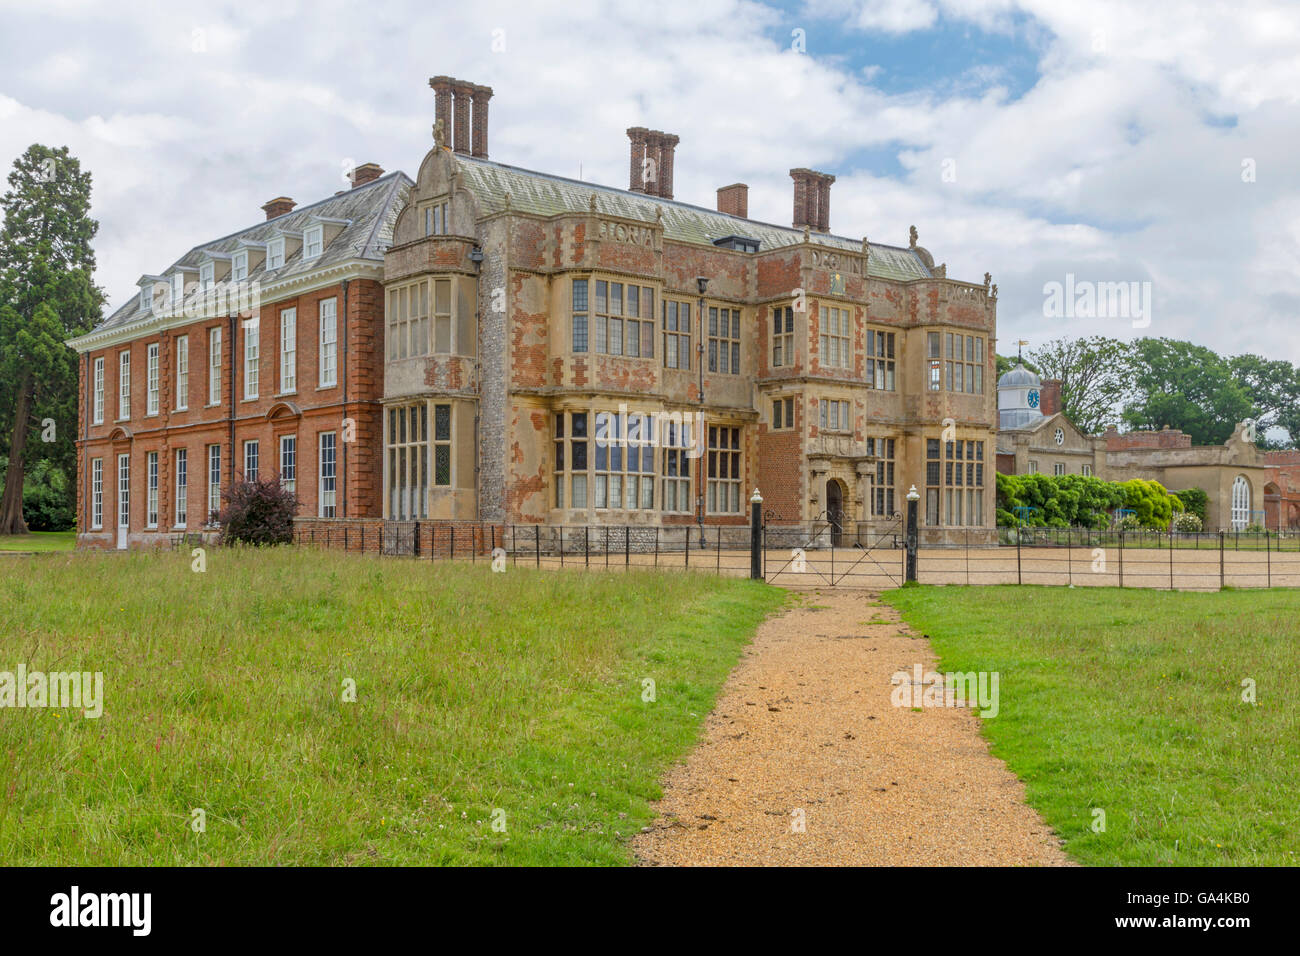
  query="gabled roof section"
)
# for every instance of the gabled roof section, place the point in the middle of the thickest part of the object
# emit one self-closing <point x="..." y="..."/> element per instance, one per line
<point x="546" y="195"/>
<point x="368" y="210"/>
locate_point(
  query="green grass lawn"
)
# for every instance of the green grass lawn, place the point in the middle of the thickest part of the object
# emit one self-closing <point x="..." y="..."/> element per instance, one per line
<point x="1131" y="702"/>
<point x="476" y="692"/>
<point x="39" y="541"/>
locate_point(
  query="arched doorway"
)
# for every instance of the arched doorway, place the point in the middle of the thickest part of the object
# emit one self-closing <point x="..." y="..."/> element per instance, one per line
<point x="1240" y="503"/>
<point x="835" y="511"/>
<point x="1272" y="506"/>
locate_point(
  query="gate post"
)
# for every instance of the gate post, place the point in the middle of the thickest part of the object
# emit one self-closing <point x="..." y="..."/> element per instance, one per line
<point x="1221" y="575"/>
<point x="913" y="496"/>
<point x="755" y="536"/>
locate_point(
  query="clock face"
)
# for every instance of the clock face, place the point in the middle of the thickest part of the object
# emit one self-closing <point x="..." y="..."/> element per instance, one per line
<point x="1033" y="398"/>
<point x="1060" y="436"/>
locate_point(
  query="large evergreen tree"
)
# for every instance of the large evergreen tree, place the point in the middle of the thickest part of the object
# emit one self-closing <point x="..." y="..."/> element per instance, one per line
<point x="47" y="295"/>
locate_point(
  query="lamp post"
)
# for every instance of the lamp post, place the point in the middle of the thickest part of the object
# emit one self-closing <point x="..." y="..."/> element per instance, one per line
<point x="701" y="283"/>
<point x="756" y="536"/>
<point x="912" y="498"/>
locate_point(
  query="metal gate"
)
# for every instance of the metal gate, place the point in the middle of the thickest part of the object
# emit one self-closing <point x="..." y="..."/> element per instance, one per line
<point x="399" y="537"/>
<point x="809" y="555"/>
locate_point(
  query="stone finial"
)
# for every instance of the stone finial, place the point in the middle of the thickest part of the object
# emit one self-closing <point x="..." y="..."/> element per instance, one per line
<point x="988" y="277"/>
<point x="659" y="215"/>
<point x="941" y="271"/>
<point x="591" y="203"/>
<point x="439" y="134"/>
<point x="995" y="290"/>
<point x="807" y="233"/>
<point x="506" y="198"/>
<point x="911" y="237"/>
<point x="866" y="246"/>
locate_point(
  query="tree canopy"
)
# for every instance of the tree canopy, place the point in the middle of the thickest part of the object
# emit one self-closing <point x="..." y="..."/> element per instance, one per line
<point x="1151" y="383"/>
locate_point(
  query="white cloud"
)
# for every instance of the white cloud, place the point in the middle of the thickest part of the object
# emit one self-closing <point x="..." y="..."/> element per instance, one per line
<point x="1109" y="162"/>
<point x="894" y="16"/>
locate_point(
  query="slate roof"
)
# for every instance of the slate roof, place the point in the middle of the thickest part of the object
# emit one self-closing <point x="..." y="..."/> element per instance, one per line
<point x="547" y="195"/>
<point x="371" y="210"/>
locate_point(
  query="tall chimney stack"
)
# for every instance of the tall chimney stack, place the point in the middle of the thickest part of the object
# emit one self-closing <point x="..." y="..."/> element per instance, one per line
<point x="460" y="129"/>
<point x="667" y="146"/>
<point x="801" y="179"/>
<point x="462" y="108"/>
<point x="442" y="103"/>
<point x="481" y="95"/>
<point x="654" y="178"/>
<point x="812" y="199"/>
<point x="824" y="201"/>
<point x="637" y="139"/>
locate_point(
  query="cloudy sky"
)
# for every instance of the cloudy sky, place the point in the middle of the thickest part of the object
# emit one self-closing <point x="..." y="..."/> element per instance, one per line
<point x="1114" y="141"/>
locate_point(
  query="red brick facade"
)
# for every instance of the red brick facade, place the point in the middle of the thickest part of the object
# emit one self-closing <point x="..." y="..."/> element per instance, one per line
<point x="195" y="424"/>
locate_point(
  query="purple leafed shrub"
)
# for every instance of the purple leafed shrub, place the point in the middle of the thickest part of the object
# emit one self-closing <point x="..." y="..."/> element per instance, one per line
<point x="257" y="512"/>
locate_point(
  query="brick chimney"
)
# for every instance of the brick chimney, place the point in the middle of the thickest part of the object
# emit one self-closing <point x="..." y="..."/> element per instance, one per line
<point x="1049" y="396"/>
<point x="824" y="202"/>
<point x="636" y="138"/>
<point x="462" y="109"/>
<point x="481" y="95"/>
<point x="801" y="179"/>
<point x="812" y="199"/>
<point x="463" y="93"/>
<point x="442" y="99"/>
<point x="366" y="173"/>
<point x="658" y="147"/>
<point x="734" y="200"/>
<point x="667" y="147"/>
<point x="278" y="207"/>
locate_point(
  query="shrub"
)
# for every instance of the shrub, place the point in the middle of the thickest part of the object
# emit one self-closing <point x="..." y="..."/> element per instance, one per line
<point x="1195" y="501"/>
<point x="48" y="501"/>
<point x="257" y="512"/>
<point x="1129" y="523"/>
<point x="1187" y="523"/>
<point x="1151" y="503"/>
<point x="1080" y="501"/>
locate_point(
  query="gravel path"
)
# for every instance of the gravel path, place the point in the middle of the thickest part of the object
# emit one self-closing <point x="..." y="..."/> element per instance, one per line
<point x="804" y="728"/>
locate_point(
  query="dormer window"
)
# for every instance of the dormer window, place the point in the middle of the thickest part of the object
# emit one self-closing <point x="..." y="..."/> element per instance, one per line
<point x="239" y="267"/>
<point x="146" y="298"/>
<point x="207" y="275"/>
<point x="178" y="289"/>
<point x="275" y="254"/>
<point x="313" y="243"/>
<point x="739" y="243"/>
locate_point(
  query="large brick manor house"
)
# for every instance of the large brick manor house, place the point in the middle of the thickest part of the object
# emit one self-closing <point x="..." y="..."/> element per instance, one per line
<point x="488" y="343"/>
